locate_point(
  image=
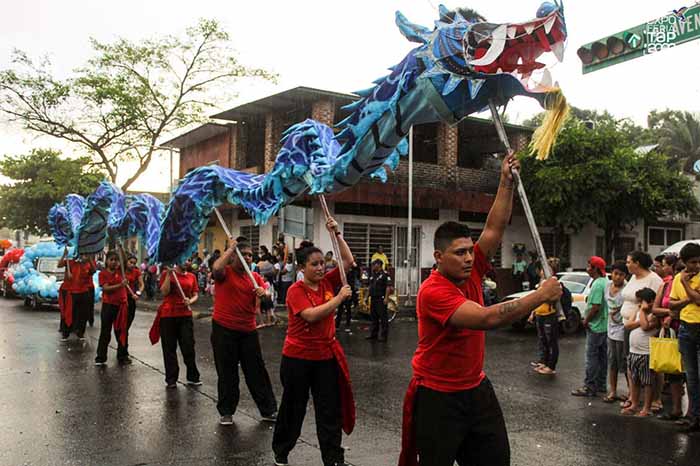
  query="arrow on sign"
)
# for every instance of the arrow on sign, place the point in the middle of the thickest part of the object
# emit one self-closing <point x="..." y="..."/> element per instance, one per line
<point x="633" y="40"/>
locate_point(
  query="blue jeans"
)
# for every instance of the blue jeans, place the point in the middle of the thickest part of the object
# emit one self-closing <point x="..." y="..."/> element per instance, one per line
<point x="689" y="345"/>
<point x="596" y="361"/>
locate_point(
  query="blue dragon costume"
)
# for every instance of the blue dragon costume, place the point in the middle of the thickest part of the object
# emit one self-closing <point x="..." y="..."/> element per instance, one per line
<point x="459" y="67"/>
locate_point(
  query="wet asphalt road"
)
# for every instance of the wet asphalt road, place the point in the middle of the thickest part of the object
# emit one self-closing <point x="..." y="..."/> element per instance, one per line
<point x="56" y="408"/>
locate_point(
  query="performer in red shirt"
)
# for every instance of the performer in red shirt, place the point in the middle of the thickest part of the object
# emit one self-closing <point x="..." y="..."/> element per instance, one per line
<point x="174" y="324"/>
<point x="234" y="337"/>
<point x="450" y="411"/>
<point x="74" y="297"/>
<point x="114" y="311"/>
<point x="135" y="290"/>
<point x="312" y="358"/>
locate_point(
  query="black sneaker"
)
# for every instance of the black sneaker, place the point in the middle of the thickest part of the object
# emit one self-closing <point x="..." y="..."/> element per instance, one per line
<point x="226" y="420"/>
<point x="371" y="337"/>
<point x="270" y="417"/>
<point x="171" y="386"/>
<point x="125" y="361"/>
<point x="99" y="362"/>
<point x="280" y="461"/>
<point x="194" y="383"/>
<point x="694" y="427"/>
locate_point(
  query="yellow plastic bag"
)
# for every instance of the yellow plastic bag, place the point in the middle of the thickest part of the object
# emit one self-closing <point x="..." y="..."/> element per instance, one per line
<point x="665" y="356"/>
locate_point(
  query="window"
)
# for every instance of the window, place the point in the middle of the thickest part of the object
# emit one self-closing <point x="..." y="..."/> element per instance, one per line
<point x="623" y="246"/>
<point x="252" y="232"/>
<point x="425" y="143"/>
<point x="673" y="236"/>
<point x="252" y="143"/>
<point x="657" y="237"/>
<point x="364" y="239"/>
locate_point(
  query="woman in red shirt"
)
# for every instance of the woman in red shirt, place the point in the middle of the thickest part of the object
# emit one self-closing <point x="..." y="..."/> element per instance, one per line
<point x="114" y="311"/>
<point x="74" y="296"/>
<point x="176" y="326"/>
<point x="312" y="359"/>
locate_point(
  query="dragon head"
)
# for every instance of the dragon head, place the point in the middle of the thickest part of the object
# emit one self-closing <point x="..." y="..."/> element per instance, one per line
<point x="471" y="61"/>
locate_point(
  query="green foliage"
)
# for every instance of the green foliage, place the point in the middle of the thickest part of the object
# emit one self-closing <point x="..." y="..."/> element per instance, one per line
<point x="128" y="95"/>
<point x="595" y="176"/>
<point x="678" y="135"/>
<point x="38" y="181"/>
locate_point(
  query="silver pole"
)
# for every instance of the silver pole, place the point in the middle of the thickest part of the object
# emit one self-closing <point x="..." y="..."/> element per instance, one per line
<point x="539" y="247"/>
<point x="171" y="173"/>
<point x="409" y="233"/>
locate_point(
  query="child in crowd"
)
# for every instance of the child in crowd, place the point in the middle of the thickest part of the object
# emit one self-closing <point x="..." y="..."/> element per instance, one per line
<point x="617" y="363"/>
<point x="644" y="326"/>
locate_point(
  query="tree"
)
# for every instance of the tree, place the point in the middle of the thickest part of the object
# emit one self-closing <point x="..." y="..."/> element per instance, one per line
<point x="129" y="95"/>
<point x="39" y="180"/>
<point x="595" y="176"/>
<point x="678" y="135"/>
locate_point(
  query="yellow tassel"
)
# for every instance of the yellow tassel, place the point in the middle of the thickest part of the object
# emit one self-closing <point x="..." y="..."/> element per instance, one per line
<point x="545" y="135"/>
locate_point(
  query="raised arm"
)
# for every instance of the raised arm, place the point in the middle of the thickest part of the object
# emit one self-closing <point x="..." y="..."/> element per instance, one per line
<point x="500" y="212"/>
<point x="219" y="267"/>
<point x="345" y="253"/>
<point x="474" y="316"/>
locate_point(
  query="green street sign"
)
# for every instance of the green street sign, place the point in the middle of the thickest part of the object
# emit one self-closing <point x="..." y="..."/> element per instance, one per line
<point x="651" y="37"/>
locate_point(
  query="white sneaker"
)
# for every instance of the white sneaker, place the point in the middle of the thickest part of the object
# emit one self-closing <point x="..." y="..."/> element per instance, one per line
<point x="194" y="384"/>
<point x="226" y="420"/>
<point x="100" y="363"/>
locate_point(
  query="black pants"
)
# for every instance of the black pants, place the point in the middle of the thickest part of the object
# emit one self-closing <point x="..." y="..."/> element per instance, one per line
<point x="548" y="335"/>
<point x="91" y="309"/>
<point x="81" y="303"/>
<point x="231" y="348"/>
<point x="380" y="316"/>
<point x="282" y="288"/>
<point x="466" y="427"/>
<point x="107" y="317"/>
<point x="176" y="331"/>
<point x="345" y="308"/>
<point x="298" y="377"/>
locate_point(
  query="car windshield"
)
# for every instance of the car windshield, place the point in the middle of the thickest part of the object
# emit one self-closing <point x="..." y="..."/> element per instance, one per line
<point x="574" y="282"/>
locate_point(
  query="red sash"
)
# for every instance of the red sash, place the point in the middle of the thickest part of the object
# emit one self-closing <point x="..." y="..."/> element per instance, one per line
<point x="409" y="451"/>
<point x="65" y="304"/>
<point x="154" y="332"/>
<point x="347" y="400"/>
<point x="121" y="323"/>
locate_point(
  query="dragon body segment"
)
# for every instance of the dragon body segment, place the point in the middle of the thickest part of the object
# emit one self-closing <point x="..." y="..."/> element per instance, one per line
<point x="460" y="66"/>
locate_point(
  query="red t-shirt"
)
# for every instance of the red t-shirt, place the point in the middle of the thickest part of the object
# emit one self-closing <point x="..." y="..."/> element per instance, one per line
<point x="173" y="305"/>
<point x="449" y="359"/>
<point x="116" y="296"/>
<point x="81" y="277"/>
<point x="133" y="277"/>
<point x="310" y="340"/>
<point x="234" y="302"/>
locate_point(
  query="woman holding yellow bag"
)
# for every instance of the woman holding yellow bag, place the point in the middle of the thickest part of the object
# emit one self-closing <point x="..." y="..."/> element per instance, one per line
<point x="670" y="323"/>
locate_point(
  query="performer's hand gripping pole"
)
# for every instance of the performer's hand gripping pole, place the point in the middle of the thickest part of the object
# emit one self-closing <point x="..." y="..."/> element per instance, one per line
<point x="238" y="252"/>
<point x="334" y="238"/>
<point x="500" y="129"/>
<point x="179" y="288"/>
<point x="122" y="259"/>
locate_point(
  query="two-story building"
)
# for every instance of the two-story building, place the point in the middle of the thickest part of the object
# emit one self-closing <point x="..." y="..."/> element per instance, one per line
<point x="455" y="177"/>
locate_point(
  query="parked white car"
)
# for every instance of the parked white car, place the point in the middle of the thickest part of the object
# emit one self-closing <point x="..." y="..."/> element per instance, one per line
<point x="579" y="284"/>
<point x="675" y="248"/>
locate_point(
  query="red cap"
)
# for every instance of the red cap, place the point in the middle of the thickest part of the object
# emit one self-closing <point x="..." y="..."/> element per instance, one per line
<point x="598" y="263"/>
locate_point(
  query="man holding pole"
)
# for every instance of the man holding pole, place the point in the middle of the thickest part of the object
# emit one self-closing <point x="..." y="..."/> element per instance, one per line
<point x="234" y="337"/>
<point x="451" y="411"/>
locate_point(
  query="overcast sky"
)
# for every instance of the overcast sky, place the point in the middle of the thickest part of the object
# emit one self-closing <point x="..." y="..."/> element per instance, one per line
<point x="343" y="46"/>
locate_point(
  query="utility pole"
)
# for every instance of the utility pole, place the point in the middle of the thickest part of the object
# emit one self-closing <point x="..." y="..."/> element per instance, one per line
<point x="409" y="232"/>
